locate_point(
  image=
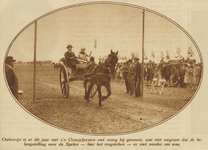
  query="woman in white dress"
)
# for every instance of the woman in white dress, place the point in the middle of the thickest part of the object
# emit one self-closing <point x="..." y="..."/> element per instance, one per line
<point x="83" y="56"/>
<point x="196" y="76"/>
<point x="188" y="76"/>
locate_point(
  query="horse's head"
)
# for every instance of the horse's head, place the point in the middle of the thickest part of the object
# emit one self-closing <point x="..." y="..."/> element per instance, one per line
<point x="112" y="59"/>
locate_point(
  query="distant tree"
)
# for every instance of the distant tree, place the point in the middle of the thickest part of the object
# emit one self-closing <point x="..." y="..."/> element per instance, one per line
<point x="153" y="54"/>
<point x="132" y="55"/>
<point x="145" y="56"/>
<point x="179" y="52"/>
<point x="47" y="61"/>
<point x="167" y="56"/>
<point x="137" y="54"/>
<point x="161" y="56"/>
<point x="19" y="62"/>
<point x="190" y="52"/>
<point x="119" y="57"/>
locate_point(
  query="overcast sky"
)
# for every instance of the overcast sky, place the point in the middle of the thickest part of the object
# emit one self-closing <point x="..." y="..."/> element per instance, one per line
<point x="114" y="27"/>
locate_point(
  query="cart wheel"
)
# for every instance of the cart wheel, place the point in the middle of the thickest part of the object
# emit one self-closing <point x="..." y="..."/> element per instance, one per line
<point x="93" y="90"/>
<point x="64" y="82"/>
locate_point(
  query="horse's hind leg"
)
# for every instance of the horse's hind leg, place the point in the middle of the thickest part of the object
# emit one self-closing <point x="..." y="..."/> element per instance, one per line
<point x="108" y="88"/>
<point x="99" y="95"/>
<point x="88" y="92"/>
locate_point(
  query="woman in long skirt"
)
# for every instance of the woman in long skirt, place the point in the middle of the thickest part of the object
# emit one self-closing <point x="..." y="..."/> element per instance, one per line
<point x="196" y="76"/>
<point x="188" y="76"/>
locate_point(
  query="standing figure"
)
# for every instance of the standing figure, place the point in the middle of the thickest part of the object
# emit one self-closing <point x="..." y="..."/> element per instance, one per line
<point x="196" y="75"/>
<point x="137" y="77"/>
<point x="182" y="74"/>
<point x="188" y="76"/>
<point x="125" y="72"/>
<point x="118" y="74"/>
<point x="132" y="78"/>
<point x="147" y="72"/>
<point x="158" y="72"/>
<point x="10" y="76"/>
<point x="129" y="75"/>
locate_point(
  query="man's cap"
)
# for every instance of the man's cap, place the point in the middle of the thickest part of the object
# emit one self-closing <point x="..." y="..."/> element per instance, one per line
<point x="69" y="46"/>
<point x="10" y="59"/>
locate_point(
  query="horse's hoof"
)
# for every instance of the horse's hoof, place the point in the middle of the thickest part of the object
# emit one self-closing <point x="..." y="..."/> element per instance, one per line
<point x="85" y="97"/>
<point x="103" y="98"/>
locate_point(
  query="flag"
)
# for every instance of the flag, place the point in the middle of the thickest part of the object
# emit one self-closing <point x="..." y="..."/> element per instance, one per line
<point x="95" y="46"/>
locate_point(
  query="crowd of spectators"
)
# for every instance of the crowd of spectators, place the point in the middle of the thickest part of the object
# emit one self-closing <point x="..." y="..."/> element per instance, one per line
<point x="185" y="73"/>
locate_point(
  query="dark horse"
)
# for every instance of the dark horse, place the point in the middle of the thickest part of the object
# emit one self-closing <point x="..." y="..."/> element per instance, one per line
<point x="175" y="76"/>
<point x="100" y="76"/>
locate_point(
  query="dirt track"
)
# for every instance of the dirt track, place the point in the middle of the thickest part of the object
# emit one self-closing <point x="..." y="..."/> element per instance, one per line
<point x="119" y="113"/>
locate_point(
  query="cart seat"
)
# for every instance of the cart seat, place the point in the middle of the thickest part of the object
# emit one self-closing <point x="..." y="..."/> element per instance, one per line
<point x="82" y="60"/>
<point x="81" y="66"/>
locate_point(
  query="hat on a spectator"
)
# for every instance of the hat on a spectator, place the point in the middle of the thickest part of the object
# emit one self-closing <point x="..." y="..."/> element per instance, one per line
<point x="69" y="46"/>
<point x="129" y="60"/>
<point x="187" y="64"/>
<point x="92" y="58"/>
<point x="10" y="59"/>
<point x="137" y="58"/>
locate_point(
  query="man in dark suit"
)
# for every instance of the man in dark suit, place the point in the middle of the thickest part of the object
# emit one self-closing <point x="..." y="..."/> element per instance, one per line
<point x="131" y="70"/>
<point x="10" y="76"/>
<point x="70" y="57"/>
<point x="137" y="77"/>
<point x="125" y="71"/>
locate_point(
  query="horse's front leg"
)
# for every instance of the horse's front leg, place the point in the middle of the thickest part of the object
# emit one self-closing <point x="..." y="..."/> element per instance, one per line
<point x="85" y="87"/>
<point x="108" y="88"/>
<point x="99" y="95"/>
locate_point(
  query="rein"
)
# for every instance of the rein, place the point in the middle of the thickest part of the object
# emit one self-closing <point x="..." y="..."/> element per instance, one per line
<point x="107" y="68"/>
<point x="108" y="64"/>
<point x="104" y="67"/>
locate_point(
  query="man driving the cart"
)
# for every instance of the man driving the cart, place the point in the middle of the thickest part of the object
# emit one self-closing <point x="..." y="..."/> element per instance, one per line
<point x="70" y="57"/>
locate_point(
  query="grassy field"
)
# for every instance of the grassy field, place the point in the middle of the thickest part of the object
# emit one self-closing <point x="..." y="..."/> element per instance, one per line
<point x="119" y="113"/>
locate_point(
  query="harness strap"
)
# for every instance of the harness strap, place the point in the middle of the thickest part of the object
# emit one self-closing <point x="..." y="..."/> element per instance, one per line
<point x="104" y="67"/>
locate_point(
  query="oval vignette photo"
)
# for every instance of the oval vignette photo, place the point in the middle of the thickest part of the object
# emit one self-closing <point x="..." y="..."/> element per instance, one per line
<point x="103" y="68"/>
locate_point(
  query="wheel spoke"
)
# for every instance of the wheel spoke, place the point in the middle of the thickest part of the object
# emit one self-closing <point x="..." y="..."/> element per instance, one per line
<point x="64" y="82"/>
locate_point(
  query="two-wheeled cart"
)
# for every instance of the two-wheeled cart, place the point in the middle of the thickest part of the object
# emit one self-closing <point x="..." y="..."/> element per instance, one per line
<point x="66" y="77"/>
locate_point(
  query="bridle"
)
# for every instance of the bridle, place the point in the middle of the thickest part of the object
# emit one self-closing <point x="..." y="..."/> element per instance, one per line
<point x="109" y="64"/>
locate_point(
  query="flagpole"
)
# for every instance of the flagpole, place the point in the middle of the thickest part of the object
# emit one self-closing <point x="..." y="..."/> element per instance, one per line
<point x="34" y="62"/>
<point x="95" y="45"/>
<point x="142" y="66"/>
